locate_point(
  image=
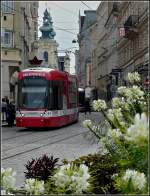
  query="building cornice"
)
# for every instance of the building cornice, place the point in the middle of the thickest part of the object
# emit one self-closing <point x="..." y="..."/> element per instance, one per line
<point x="12" y="61"/>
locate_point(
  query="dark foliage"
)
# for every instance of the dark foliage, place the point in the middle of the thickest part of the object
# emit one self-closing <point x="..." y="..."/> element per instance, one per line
<point x="101" y="169"/>
<point x="41" y="168"/>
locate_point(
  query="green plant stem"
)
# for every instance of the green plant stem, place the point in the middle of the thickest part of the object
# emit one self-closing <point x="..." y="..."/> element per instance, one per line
<point x="97" y="136"/>
<point x="110" y="122"/>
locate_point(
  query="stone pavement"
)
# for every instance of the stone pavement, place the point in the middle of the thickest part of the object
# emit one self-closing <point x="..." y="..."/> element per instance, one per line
<point x="5" y="124"/>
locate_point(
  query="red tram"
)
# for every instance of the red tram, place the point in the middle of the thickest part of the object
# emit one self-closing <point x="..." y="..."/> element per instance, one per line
<point x="46" y="98"/>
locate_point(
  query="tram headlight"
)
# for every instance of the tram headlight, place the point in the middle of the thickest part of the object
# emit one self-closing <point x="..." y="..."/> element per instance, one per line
<point x="41" y="114"/>
<point x="22" y="114"/>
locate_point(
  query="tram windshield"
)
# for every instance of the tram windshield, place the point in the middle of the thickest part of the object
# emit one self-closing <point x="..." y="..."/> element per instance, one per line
<point x="33" y="93"/>
<point x="38" y="93"/>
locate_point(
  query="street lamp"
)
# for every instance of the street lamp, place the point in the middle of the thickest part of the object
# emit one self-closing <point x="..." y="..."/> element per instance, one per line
<point x="74" y="41"/>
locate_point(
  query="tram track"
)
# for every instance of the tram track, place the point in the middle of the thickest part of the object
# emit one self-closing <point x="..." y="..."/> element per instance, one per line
<point x="10" y="138"/>
<point x="44" y="138"/>
<point x="50" y="133"/>
<point x="41" y="146"/>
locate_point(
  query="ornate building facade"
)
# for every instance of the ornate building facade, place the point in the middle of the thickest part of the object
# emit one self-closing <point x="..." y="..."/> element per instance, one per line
<point x="47" y="46"/>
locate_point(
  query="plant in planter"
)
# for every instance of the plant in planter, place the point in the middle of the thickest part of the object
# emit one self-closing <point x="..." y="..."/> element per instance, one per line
<point x="131" y="181"/>
<point x="101" y="168"/>
<point x="68" y="179"/>
<point x="126" y="134"/>
<point x="41" y="168"/>
<point x="7" y="180"/>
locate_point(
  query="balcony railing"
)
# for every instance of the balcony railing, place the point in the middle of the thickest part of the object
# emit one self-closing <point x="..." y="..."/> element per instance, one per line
<point x="130" y="26"/>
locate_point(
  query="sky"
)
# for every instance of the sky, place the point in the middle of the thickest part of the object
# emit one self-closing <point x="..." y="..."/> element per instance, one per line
<point x="65" y="15"/>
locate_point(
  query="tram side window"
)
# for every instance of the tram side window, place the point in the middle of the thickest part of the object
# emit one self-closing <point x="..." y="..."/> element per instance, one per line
<point x="73" y="94"/>
<point x="56" y="95"/>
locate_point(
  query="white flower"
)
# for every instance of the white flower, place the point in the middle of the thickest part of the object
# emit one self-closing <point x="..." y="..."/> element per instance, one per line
<point x="34" y="186"/>
<point x="7" y="179"/>
<point x="133" y="77"/>
<point x="121" y="90"/>
<point x="139" y="130"/>
<point x="87" y="123"/>
<point x="4" y="192"/>
<point x="114" y="133"/>
<point x="114" y="176"/>
<point x="99" y="105"/>
<point x="116" y="102"/>
<point x="71" y="178"/>
<point x="102" y="144"/>
<point x="138" y="179"/>
<point x="116" y="113"/>
<point x="137" y="93"/>
<point x="132" y="94"/>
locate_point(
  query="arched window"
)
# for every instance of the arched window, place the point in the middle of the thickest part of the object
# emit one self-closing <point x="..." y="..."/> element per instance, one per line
<point x="46" y="56"/>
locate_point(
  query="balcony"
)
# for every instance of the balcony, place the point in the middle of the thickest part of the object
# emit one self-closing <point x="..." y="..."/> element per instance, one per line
<point x="130" y="26"/>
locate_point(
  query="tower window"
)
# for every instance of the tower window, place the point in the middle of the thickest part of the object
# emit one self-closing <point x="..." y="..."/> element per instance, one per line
<point x="46" y="56"/>
<point x="5" y="18"/>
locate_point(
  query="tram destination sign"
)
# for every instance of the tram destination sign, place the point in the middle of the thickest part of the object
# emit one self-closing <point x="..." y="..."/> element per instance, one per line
<point x="33" y="74"/>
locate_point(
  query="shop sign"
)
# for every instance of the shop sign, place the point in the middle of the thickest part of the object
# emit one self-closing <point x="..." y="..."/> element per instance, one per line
<point x="122" y="32"/>
<point x="146" y="82"/>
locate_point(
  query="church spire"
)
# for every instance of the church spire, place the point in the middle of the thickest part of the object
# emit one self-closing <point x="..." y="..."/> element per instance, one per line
<point x="47" y="27"/>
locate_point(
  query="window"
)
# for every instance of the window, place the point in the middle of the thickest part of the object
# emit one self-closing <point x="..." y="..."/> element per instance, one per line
<point x="7" y="6"/>
<point x="56" y="95"/>
<point x="35" y="25"/>
<point x="33" y="93"/>
<point x="7" y="38"/>
<point x="35" y="36"/>
<point x="46" y="56"/>
<point x="73" y="94"/>
<point x="5" y="17"/>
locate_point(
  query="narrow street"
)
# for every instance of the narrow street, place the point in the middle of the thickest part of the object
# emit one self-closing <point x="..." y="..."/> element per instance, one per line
<point x="20" y="144"/>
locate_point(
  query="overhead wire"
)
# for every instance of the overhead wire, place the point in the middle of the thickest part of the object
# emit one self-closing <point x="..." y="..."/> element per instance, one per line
<point x="86" y="5"/>
<point x="30" y="16"/>
<point x="63" y="8"/>
<point x="58" y="28"/>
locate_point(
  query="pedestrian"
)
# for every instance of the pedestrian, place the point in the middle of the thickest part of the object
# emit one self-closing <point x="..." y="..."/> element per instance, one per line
<point x="3" y="109"/>
<point x="10" y="114"/>
<point x="87" y="106"/>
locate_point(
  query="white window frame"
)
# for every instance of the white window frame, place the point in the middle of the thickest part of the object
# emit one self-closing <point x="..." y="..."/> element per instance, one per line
<point x="7" y="6"/>
<point x="7" y="41"/>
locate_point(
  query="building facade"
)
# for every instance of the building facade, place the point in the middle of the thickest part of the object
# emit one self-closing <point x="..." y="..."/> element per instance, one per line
<point x="133" y="43"/>
<point x="85" y="47"/>
<point x="120" y="40"/>
<point x="64" y="63"/>
<point x="47" y="46"/>
<point x="17" y="21"/>
<point x="106" y="53"/>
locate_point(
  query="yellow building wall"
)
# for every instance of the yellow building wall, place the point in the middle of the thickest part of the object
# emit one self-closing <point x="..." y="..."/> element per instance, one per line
<point x="12" y="55"/>
<point x="9" y="22"/>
